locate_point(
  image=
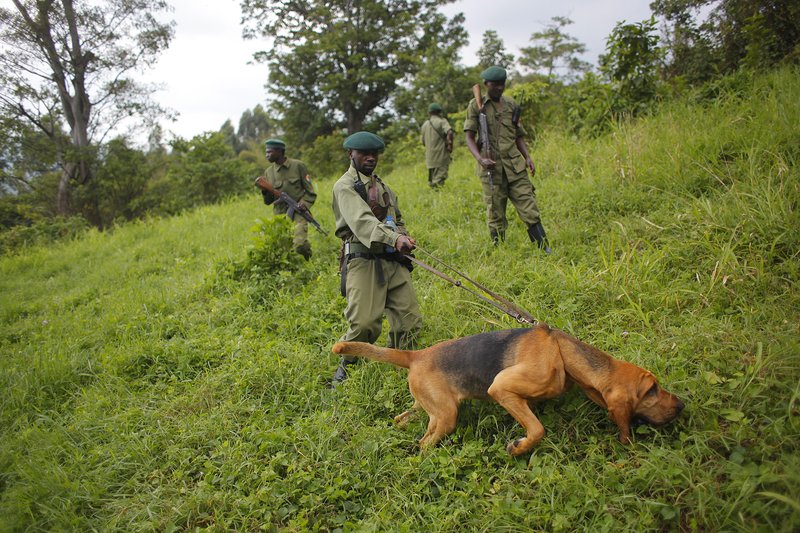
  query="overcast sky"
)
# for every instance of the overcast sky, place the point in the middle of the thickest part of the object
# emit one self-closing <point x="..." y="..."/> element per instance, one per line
<point x="207" y="78"/>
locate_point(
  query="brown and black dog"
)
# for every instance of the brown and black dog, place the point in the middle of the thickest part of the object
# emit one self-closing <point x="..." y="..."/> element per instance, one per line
<point x="517" y="365"/>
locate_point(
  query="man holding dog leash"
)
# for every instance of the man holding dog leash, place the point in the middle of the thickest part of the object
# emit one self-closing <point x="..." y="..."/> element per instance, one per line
<point x="375" y="272"/>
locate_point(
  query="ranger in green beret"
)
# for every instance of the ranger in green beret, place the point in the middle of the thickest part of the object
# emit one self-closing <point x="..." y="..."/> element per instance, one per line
<point x="437" y="138"/>
<point x="375" y="273"/>
<point x="290" y="176"/>
<point x="504" y="176"/>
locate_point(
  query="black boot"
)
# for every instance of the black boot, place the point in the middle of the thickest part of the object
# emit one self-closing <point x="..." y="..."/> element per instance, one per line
<point x="537" y="235"/>
<point x="341" y="372"/>
<point x="497" y="236"/>
<point x="403" y="340"/>
<point x="304" y="250"/>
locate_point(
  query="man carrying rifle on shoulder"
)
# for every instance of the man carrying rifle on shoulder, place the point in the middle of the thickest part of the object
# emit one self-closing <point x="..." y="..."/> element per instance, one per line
<point x="495" y="137"/>
<point x="291" y="177"/>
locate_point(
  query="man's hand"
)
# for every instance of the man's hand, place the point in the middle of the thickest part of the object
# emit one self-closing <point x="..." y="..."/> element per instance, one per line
<point x="302" y="206"/>
<point x="405" y="244"/>
<point x="531" y="166"/>
<point x="486" y="163"/>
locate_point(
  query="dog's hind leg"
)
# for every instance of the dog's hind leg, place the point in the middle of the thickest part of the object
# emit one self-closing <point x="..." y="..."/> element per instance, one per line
<point x="442" y="422"/>
<point x="403" y="418"/>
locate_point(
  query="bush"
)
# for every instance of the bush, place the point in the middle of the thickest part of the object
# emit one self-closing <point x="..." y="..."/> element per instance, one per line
<point x="326" y="157"/>
<point x="41" y="232"/>
<point x="271" y="259"/>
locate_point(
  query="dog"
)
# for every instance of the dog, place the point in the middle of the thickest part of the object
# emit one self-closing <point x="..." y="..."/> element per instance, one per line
<point x="514" y="367"/>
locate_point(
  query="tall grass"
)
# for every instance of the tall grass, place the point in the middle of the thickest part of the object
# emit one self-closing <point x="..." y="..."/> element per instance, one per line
<point x="153" y="379"/>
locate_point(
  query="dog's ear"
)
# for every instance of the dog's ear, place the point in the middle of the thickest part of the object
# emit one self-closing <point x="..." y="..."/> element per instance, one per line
<point x="647" y="386"/>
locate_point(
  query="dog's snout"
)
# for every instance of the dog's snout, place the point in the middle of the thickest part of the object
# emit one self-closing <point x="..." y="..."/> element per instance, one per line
<point x="680" y="406"/>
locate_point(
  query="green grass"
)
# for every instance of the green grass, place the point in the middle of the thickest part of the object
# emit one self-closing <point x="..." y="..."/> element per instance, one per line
<point x="158" y="377"/>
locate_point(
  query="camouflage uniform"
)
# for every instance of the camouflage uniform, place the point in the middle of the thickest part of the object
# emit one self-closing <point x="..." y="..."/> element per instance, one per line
<point x="376" y="279"/>
<point x="292" y="177"/>
<point x="434" y="138"/>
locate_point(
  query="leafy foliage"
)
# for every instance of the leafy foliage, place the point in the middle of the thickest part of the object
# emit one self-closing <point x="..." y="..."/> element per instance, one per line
<point x="631" y="63"/>
<point x="720" y="36"/>
<point x="205" y="170"/>
<point x="66" y="69"/>
<point x="270" y="260"/>
<point x="493" y="52"/>
<point x="558" y="51"/>
<point x="337" y="62"/>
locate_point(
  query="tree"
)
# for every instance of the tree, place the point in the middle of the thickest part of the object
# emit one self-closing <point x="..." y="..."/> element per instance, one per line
<point x="25" y="153"/>
<point x="205" y="170"/>
<point x="557" y="51"/>
<point x="335" y="63"/>
<point x="493" y="52"/>
<point x="120" y="179"/>
<point x="67" y="67"/>
<point x="441" y="78"/>
<point x="706" y="37"/>
<point x="631" y="62"/>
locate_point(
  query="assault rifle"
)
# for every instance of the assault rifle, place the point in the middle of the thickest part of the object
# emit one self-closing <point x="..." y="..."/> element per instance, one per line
<point x="483" y="131"/>
<point x="294" y="207"/>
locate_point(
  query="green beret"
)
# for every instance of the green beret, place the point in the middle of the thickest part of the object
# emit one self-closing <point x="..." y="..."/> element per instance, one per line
<point x="364" y="141"/>
<point x="434" y="107"/>
<point x="494" y="73"/>
<point x="275" y="143"/>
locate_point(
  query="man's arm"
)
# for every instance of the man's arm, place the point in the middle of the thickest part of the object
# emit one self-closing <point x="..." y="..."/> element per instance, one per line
<point x="523" y="148"/>
<point x="472" y="144"/>
<point x="309" y="196"/>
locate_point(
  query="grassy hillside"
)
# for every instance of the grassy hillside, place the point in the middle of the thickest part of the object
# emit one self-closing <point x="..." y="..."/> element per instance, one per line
<point x="170" y="374"/>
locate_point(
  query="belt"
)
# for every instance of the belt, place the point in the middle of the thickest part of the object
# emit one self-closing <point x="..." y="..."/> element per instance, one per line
<point x="356" y="247"/>
<point x="362" y="252"/>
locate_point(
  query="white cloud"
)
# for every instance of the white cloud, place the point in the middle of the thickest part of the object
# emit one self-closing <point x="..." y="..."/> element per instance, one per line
<point x="208" y="79"/>
<point x="205" y="71"/>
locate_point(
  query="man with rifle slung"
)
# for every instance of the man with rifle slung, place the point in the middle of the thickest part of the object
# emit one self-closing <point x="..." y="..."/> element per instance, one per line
<point x="286" y="186"/>
<point x="503" y="159"/>
<point x="437" y="138"/>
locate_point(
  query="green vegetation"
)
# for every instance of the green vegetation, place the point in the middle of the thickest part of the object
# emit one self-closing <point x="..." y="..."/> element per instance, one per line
<point x="170" y="374"/>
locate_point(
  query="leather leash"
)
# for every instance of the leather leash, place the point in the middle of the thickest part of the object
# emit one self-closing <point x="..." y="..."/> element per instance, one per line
<point x="519" y="314"/>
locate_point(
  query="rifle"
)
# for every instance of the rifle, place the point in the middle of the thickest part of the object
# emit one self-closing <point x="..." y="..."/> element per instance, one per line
<point x="483" y="131"/>
<point x="294" y="207"/>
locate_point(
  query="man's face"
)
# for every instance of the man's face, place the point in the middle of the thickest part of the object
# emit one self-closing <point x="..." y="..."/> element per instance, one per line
<point x="274" y="154"/>
<point x="494" y="89"/>
<point x="365" y="161"/>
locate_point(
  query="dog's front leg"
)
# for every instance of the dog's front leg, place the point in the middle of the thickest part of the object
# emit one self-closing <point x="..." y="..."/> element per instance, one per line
<point x="518" y="407"/>
<point x="621" y="416"/>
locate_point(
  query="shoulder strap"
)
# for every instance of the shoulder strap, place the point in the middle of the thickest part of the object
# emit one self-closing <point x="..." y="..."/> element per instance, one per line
<point x="360" y="188"/>
<point x="379" y="211"/>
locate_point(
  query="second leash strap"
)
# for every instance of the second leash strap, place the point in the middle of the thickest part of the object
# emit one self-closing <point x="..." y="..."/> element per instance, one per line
<point x="496" y="300"/>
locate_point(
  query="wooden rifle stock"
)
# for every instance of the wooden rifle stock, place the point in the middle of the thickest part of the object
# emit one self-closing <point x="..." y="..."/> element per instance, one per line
<point x="483" y="130"/>
<point x="294" y="207"/>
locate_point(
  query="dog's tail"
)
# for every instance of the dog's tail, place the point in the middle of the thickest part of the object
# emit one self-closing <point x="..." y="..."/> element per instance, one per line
<point x="401" y="358"/>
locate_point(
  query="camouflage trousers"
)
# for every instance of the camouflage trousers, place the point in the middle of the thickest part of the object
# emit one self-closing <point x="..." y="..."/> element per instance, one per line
<point x="368" y="300"/>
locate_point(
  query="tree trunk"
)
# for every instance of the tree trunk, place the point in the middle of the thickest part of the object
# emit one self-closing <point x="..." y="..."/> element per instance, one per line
<point x="62" y="196"/>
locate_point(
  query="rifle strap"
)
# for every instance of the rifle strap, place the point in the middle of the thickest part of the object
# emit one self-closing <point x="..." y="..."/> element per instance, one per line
<point x="370" y="196"/>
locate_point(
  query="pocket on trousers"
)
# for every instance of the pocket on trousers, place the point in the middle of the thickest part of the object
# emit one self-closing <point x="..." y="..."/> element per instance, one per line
<point x="518" y="164"/>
